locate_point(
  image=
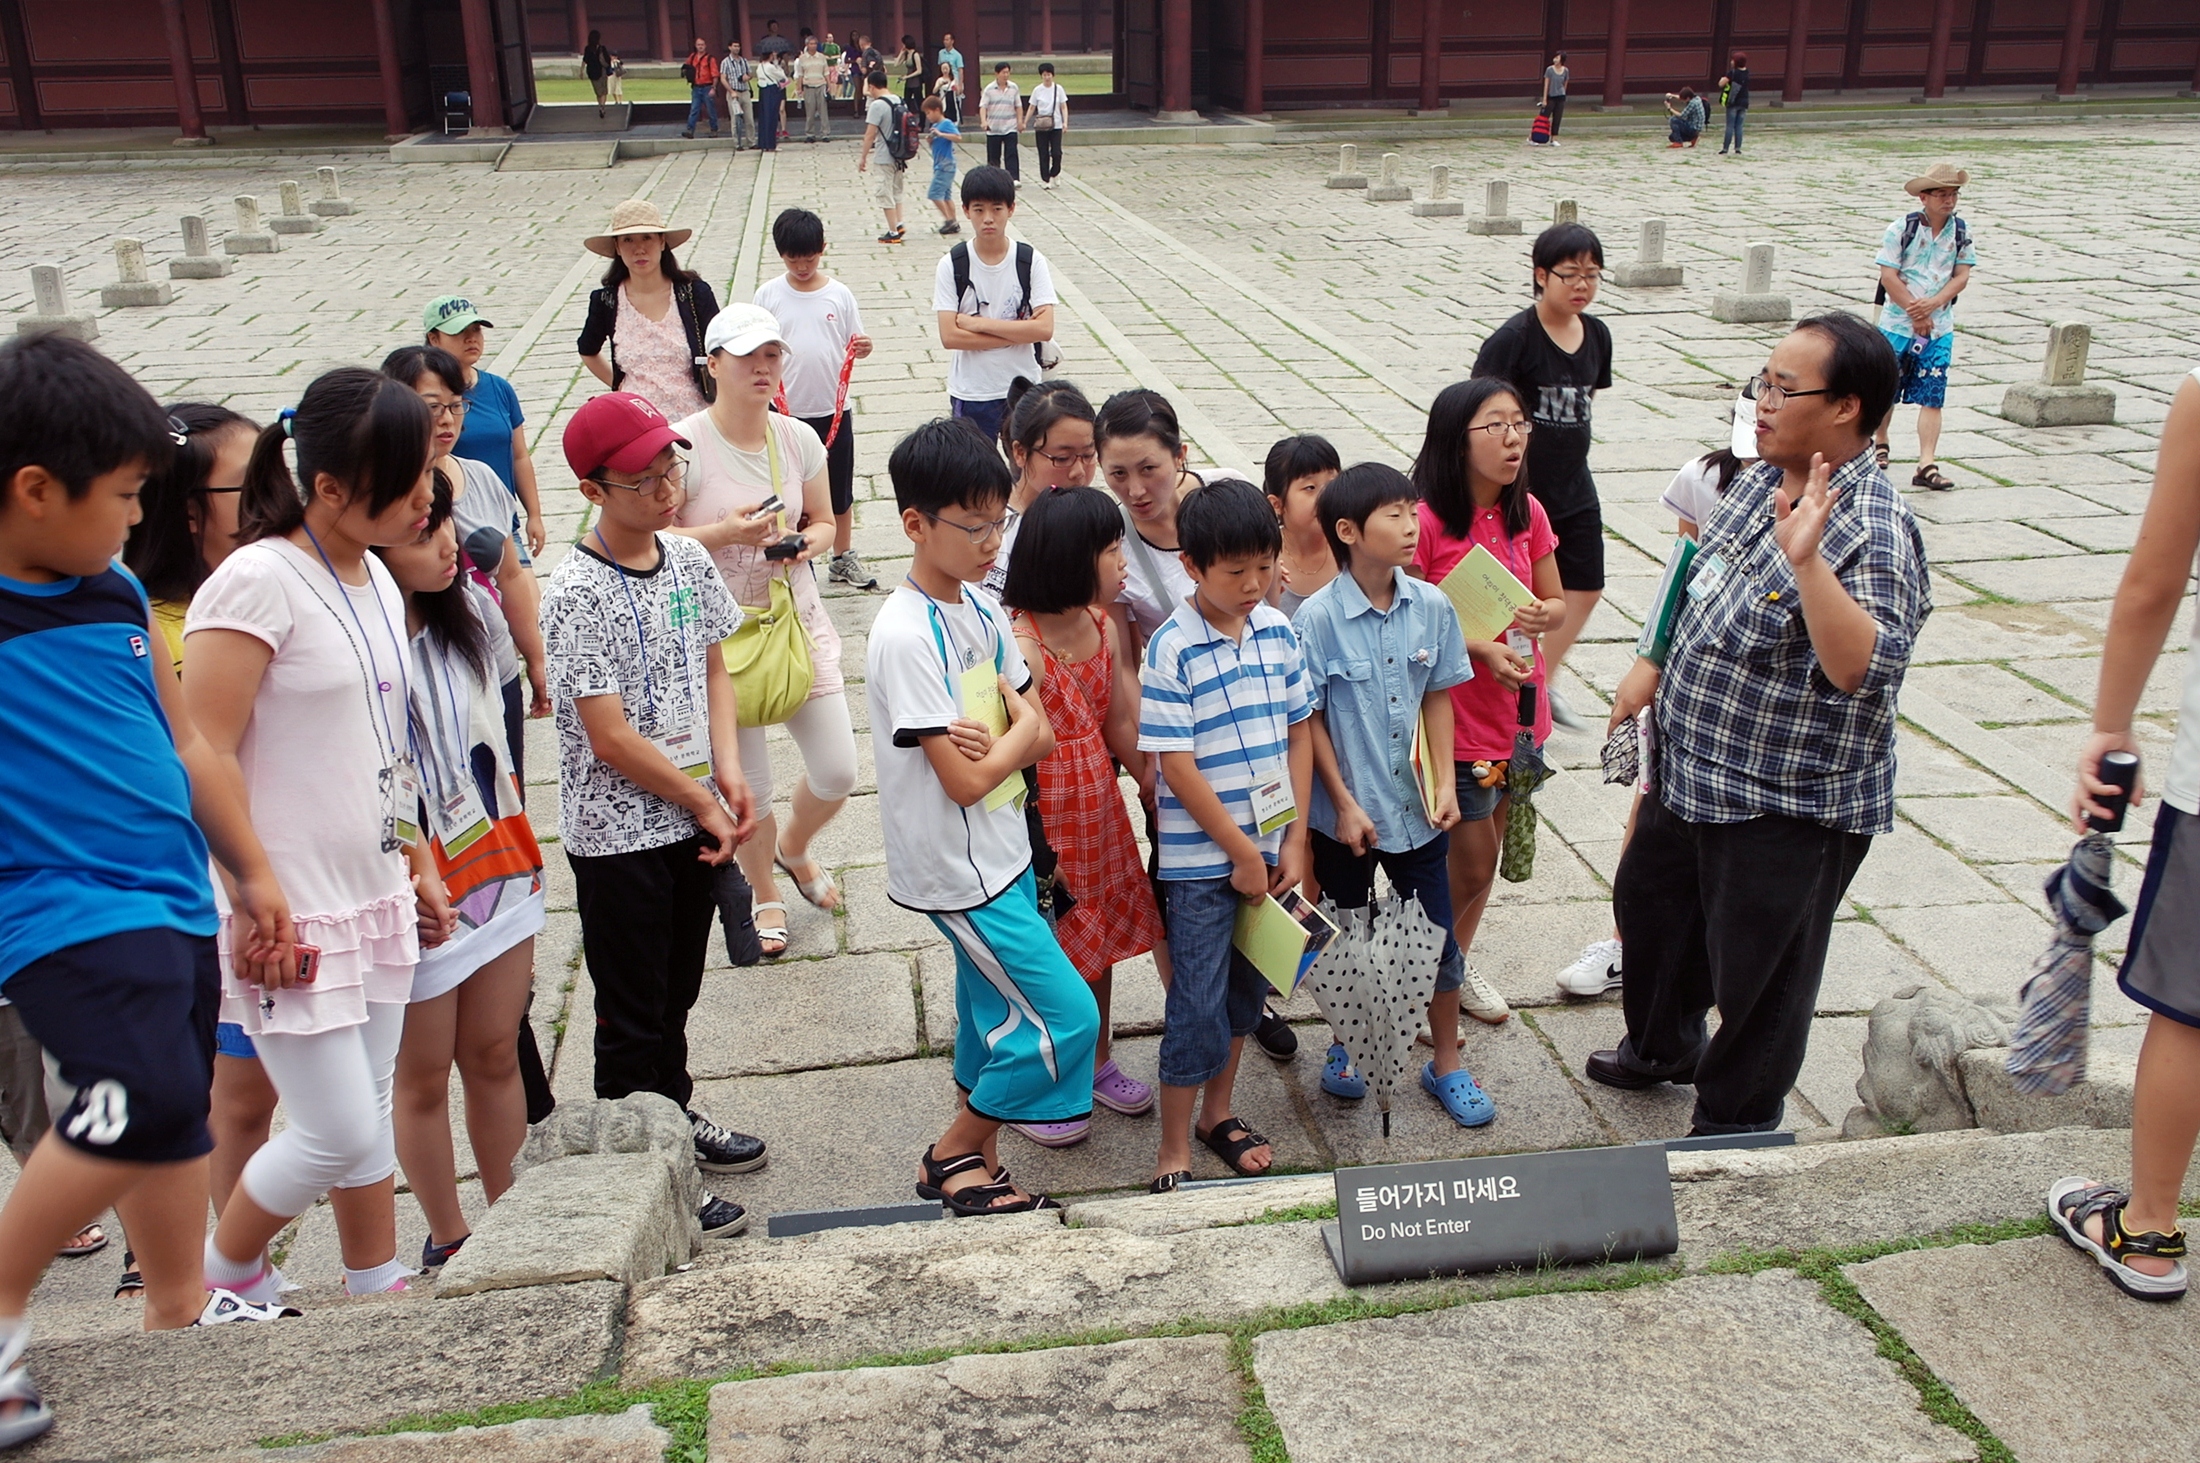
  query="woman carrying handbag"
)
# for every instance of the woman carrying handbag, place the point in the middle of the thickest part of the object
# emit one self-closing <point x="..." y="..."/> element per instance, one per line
<point x="645" y="327"/>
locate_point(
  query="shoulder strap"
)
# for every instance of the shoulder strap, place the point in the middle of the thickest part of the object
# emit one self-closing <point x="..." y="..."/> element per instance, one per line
<point x="1024" y="255"/>
<point x="959" y="260"/>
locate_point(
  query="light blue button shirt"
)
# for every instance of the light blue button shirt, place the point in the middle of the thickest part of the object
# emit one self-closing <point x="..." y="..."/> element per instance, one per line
<point x="1366" y="672"/>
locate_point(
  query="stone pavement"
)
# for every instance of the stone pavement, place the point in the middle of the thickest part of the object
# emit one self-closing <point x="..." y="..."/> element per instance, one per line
<point x="1263" y="304"/>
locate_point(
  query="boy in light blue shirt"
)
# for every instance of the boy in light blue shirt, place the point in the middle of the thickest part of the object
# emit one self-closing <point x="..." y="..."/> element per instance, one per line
<point x="943" y="135"/>
<point x="1383" y="651"/>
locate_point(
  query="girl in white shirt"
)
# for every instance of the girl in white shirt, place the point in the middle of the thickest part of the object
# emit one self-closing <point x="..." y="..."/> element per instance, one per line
<point x="1046" y="112"/>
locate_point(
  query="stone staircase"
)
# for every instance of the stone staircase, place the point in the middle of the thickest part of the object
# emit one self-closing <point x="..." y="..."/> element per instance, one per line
<point x="543" y="157"/>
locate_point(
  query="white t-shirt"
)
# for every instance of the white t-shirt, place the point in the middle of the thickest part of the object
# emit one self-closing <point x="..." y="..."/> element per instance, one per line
<point x="1694" y="491"/>
<point x="993" y="293"/>
<point x="940" y="856"/>
<point x="817" y="324"/>
<point x="1049" y="100"/>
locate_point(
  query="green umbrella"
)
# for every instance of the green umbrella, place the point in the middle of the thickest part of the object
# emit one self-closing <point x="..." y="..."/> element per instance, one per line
<point x="1526" y="772"/>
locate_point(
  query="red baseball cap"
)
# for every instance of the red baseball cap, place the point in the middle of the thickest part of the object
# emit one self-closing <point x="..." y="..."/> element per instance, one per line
<point x="618" y="430"/>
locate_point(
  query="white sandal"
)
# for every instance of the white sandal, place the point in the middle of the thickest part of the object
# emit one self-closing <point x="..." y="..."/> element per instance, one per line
<point x="815" y="890"/>
<point x="36" y="1418"/>
<point x="772" y="931"/>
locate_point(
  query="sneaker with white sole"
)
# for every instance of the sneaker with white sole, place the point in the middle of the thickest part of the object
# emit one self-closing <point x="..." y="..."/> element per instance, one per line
<point x="224" y="1306"/>
<point x="1479" y="999"/>
<point x="1594" y="971"/>
<point x="848" y="568"/>
<point x="1564" y="715"/>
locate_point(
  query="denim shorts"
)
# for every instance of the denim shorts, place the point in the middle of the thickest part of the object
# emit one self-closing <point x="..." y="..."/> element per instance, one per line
<point x="1215" y="994"/>
<point x="942" y="186"/>
<point x="1476" y="802"/>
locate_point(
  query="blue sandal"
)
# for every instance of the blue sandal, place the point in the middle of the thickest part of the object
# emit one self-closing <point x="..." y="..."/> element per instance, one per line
<point x="1461" y="1095"/>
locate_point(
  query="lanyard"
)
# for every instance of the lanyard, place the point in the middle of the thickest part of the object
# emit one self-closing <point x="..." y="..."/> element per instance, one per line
<point x="641" y="636"/>
<point x="1214" y="651"/>
<point x="447" y="777"/>
<point x="371" y="672"/>
<point x="943" y="640"/>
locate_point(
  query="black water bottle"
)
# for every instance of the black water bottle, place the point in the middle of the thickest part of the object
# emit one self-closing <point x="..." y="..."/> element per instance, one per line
<point x="2120" y="770"/>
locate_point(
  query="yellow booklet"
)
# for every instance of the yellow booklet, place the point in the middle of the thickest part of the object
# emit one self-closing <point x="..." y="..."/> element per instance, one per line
<point x="1485" y="593"/>
<point x="1282" y="937"/>
<point x="1430" y="767"/>
<point x="981" y="697"/>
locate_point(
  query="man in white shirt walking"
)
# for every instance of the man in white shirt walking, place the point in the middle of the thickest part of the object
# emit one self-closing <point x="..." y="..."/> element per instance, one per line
<point x="810" y="70"/>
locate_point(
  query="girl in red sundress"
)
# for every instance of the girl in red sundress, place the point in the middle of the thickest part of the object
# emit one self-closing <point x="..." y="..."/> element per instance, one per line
<point x="1068" y="566"/>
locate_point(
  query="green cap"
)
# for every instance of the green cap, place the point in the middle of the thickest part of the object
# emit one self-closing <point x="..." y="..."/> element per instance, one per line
<point x="451" y="314"/>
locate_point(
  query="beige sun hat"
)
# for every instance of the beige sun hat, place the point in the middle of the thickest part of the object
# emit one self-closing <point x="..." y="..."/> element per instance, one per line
<point x="635" y="216"/>
<point x="1939" y="175"/>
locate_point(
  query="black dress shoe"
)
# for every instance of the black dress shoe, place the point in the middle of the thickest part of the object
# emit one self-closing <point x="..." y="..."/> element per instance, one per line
<point x="1605" y="1067"/>
<point x="719" y="1150"/>
<point x="722" y="1218"/>
<point x="1276" y="1036"/>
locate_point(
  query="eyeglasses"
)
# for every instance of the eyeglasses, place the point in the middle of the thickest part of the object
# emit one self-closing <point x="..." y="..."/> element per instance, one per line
<point x="979" y="532"/>
<point x="1774" y="395"/>
<point x="651" y="484"/>
<point x="1064" y="461"/>
<point x="1594" y="276"/>
<point x="452" y="409"/>
<point x="1505" y="429"/>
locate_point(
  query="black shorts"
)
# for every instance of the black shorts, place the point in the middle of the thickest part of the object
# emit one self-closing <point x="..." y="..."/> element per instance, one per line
<point x="840" y="458"/>
<point x="129" y="1020"/>
<point x="1580" y="552"/>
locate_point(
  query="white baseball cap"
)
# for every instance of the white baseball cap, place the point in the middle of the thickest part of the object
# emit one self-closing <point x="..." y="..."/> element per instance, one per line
<point x="741" y="329"/>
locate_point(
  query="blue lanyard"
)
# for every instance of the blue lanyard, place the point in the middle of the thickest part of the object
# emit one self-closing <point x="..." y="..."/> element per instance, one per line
<point x="381" y="704"/>
<point x="939" y="624"/>
<point x="641" y="636"/>
<point x="1214" y="652"/>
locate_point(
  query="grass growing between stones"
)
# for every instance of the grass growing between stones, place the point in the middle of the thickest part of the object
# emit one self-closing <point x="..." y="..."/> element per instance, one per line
<point x="1322" y="1209"/>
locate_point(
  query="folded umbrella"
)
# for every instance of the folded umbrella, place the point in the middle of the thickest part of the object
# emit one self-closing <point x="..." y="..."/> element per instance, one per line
<point x="1526" y="772"/>
<point x="1373" y="985"/>
<point x="2047" y="1049"/>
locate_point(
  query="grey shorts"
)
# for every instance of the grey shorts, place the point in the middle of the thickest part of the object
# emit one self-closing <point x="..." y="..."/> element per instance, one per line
<point x="2162" y="966"/>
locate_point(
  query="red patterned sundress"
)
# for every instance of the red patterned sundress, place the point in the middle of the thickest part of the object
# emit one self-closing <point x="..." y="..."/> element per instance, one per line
<point x="1115" y="917"/>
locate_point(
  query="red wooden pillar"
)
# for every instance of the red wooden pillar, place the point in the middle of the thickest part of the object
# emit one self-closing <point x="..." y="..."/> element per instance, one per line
<point x="579" y="22"/>
<point x="1046" y="28"/>
<point x="1936" y="60"/>
<point x="748" y="35"/>
<point x="668" y="49"/>
<point x="481" y="67"/>
<point x="1615" y="55"/>
<point x="901" y="28"/>
<point x="2066" y="79"/>
<point x="1432" y="54"/>
<point x="967" y="41"/>
<point x="824" y="24"/>
<point x="394" y="118"/>
<point x="1176" y="61"/>
<point x="1256" y="57"/>
<point x="1791" y="89"/>
<point x="188" y="116"/>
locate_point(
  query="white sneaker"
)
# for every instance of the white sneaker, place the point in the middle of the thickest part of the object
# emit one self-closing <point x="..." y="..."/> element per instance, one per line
<point x="1479" y="999"/>
<point x="224" y="1306"/>
<point x="1594" y="972"/>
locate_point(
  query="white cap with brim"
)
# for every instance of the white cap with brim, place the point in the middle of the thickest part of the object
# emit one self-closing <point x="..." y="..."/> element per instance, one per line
<point x="741" y="329"/>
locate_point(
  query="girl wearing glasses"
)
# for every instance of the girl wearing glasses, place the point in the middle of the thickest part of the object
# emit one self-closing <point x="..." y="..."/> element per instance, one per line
<point x="1046" y="433"/>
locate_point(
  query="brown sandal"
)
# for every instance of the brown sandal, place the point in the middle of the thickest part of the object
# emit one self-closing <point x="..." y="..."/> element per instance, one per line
<point x="1930" y="476"/>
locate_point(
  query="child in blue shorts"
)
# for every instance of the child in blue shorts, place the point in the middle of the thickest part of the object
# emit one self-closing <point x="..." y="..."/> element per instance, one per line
<point x="943" y="135"/>
<point x="943" y="665"/>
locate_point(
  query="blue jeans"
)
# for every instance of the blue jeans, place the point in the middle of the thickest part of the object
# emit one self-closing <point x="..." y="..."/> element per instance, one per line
<point x="1678" y="130"/>
<point x="984" y="415"/>
<point x="1216" y="995"/>
<point x="1422" y="873"/>
<point x="1735" y="116"/>
<point x="701" y="103"/>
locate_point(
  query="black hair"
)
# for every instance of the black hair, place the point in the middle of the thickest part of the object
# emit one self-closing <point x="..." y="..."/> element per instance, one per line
<point x="1861" y="365"/>
<point x="594" y="36"/>
<point x="1229" y="518"/>
<point x="999" y="67"/>
<point x="1046" y="68"/>
<point x="1058" y="545"/>
<point x="163" y="549"/>
<point x="447" y="613"/>
<point x="617" y="274"/>
<point x="798" y="233"/>
<point x="1138" y="413"/>
<point x="1688" y="94"/>
<point x="876" y="76"/>
<point x="908" y="43"/>
<point x="1032" y="409"/>
<point x="1356" y="493"/>
<point x="408" y="363"/>
<point x="1725" y="465"/>
<point x="988" y="185"/>
<point x="947" y="463"/>
<point x="360" y="427"/>
<point x="1440" y="472"/>
<point x="1293" y="458"/>
<point x="72" y="411"/>
<point x="1561" y="242"/>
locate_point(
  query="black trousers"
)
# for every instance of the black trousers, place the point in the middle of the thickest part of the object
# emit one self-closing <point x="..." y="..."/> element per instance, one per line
<point x="1735" y="915"/>
<point x="840" y="457"/>
<point x="645" y="928"/>
<point x="1000" y="152"/>
<point x="1050" y="152"/>
<point x="1558" y="113"/>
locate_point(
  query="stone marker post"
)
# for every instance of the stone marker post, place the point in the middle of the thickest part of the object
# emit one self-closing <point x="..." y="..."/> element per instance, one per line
<point x="252" y="236"/>
<point x="1439" y="203"/>
<point x="50" y="306"/>
<point x="2060" y="398"/>
<point x="1386" y="188"/>
<point x="1493" y="219"/>
<point x="1756" y="303"/>
<point x="294" y="219"/>
<point x="1565" y="211"/>
<point x="1648" y="270"/>
<point x="134" y="286"/>
<point x="198" y="261"/>
<point x="1348" y="174"/>
<point x="332" y="203"/>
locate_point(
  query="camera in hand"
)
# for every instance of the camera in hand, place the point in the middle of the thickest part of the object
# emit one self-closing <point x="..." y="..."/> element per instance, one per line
<point x="786" y="548"/>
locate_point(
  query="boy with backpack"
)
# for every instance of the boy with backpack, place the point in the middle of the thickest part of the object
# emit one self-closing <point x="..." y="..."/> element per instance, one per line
<point x="994" y="303"/>
<point x="886" y="150"/>
<point x="1924" y="262"/>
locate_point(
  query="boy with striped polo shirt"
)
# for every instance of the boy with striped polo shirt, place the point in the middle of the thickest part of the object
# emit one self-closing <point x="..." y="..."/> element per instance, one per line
<point x="1224" y="703"/>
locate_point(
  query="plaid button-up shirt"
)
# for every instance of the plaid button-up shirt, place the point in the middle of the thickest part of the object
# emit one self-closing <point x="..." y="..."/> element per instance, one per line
<point x="1747" y="722"/>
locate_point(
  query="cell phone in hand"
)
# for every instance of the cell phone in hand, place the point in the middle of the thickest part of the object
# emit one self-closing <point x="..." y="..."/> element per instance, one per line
<point x="309" y="962"/>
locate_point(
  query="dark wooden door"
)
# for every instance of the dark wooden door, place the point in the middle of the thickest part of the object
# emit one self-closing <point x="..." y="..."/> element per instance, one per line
<point x="1141" y="52"/>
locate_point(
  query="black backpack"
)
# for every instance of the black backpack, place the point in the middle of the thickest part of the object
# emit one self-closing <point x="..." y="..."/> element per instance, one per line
<point x="901" y="138"/>
<point x="1910" y="226"/>
<point x="959" y="258"/>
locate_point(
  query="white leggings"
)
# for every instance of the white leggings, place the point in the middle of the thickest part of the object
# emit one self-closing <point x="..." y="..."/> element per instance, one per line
<point x="335" y="1087"/>
<point x="828" y="743"/>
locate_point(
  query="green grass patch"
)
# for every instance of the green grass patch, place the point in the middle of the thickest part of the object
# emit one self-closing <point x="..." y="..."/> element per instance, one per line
<point x="1325" y="1209"/>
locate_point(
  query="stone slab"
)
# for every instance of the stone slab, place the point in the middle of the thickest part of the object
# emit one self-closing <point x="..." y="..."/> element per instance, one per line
<point x="205" y="266"/>
<point x="619" y="1437"/>
<point x="2034" y="404"/>
<point x="1438" y="208"/>
<point x="595" y="1216"/>
<point x="1906" y="869"/>
<point x="136" y="293"/>
<point x="1961" y="1308"/>
<point x="1484" y="224"/>
<point x="1131" y="1402"/>
<point x="847" y="1294"/>
<point x="1634" y="275"/>
<point x="1210" y="1207"/>
<point x="1992" y="830"/>
<point x="2102" y="1100"/>
<point x="787" y="1015"/>
<point x="74" y="326"/>
<point x="1739" y="309"/>
<point x="1814" y="1387"/>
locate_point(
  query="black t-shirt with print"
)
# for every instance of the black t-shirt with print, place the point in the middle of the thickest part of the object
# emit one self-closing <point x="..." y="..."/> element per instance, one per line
<point x="1555" y="391"/>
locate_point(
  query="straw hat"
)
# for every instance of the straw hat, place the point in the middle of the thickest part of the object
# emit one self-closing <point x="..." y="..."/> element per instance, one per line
<point x="1939" y="175"/>
<point x="635" y="216"/>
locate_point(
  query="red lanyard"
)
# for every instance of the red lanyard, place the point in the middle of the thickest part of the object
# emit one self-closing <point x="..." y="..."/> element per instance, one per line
<point x="840" y="393"/>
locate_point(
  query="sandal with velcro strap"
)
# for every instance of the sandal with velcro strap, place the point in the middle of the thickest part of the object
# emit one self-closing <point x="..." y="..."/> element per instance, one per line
<point x="974" y="1201"/>
<point x="2073" y="1201"/>
<point x="32" y="1418"/>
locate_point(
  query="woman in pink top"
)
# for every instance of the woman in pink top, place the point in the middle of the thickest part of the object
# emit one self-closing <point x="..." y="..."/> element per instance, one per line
<point x="645" y="326"/>
<point x="1474" y="490"/>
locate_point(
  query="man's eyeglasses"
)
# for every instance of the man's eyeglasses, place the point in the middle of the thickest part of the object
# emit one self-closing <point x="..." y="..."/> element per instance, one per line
<point x="1505" y="429"/>
<point x="452" y="409"/>
<point x="648" y="486"/>
<point x="979" y="532"/>
<point x="1064" y="461"/>
<point x="1774" y="395"/>
<point x="1594" y="276"/>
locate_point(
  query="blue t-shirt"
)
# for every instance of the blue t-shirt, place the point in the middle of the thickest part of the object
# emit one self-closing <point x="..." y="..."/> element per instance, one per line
<point x="944" y="134"/>
<point x="492" y="415"/>
<point x="96" y="836"/>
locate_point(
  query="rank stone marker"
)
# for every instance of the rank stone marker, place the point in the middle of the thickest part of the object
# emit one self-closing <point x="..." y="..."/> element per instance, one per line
<point x="1493" y="219"/>
<point x="133" y="285"/>
<point x="1648" y="269"/>
<point x="2060" y="398"/>
<point x="332" y="203"/>
<point x="198" y="261"/>
<point x="1348" y="174"/>
<point x="1439" y="203"/>
<point x="294" y="219"/>
<point x="252" y="236"/>
<point x="1387" y="188"/>
<point x="1565" y="211"/>
<point x="50" y="304"/>
<point x="1756" y="303"/>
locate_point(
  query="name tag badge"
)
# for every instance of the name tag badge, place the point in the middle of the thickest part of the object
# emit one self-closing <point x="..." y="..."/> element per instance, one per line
<point x="1273" y="805"/>
<point x="460" y="821"/>
<point x="687" y="749"/>
<point x="1710" y="574"/>
<point x="405" y="806"/>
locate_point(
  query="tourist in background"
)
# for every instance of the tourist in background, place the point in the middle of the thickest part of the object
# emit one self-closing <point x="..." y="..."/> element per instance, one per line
<point x="646" y="322"/>
<point x="495" y="429"/>
<point x="700" y="72"/>
<point x="951" y="67"/>
<point x="738" y="76"/>
<point x="1555" y="77"/>
<point x="1734" y="91"/>
<point x="771" y="100"/>
<point x="1925" y="260"/>
<point x="596" y="66"/>
<point x="1687" y="111"/>
<point x="941" y="135"/>
<point x="910" y="63"/>
<point x="1047" y="114"/>
<point x="1001" y="105"/>
<point x="810" y="72"/>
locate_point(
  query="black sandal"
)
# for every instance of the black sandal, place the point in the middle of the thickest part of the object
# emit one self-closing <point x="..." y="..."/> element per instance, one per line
<point x="1230" y="1140"/>
<point x="973" y="1201"/>
<point x="131" y="1280"/>
<point x="1168" y="1183"/>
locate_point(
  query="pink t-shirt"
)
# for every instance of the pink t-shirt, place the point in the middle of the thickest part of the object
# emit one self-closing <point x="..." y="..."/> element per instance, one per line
<point x="1486" y="716"/>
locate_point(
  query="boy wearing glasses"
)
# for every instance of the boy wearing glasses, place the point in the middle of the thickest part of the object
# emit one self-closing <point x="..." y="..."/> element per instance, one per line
<point x="1557" y="358"/>
<point x="651" y="798"/>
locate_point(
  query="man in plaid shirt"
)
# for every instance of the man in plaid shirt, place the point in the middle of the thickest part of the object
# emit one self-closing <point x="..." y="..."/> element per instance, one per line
<point x="1775" y="738"/>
